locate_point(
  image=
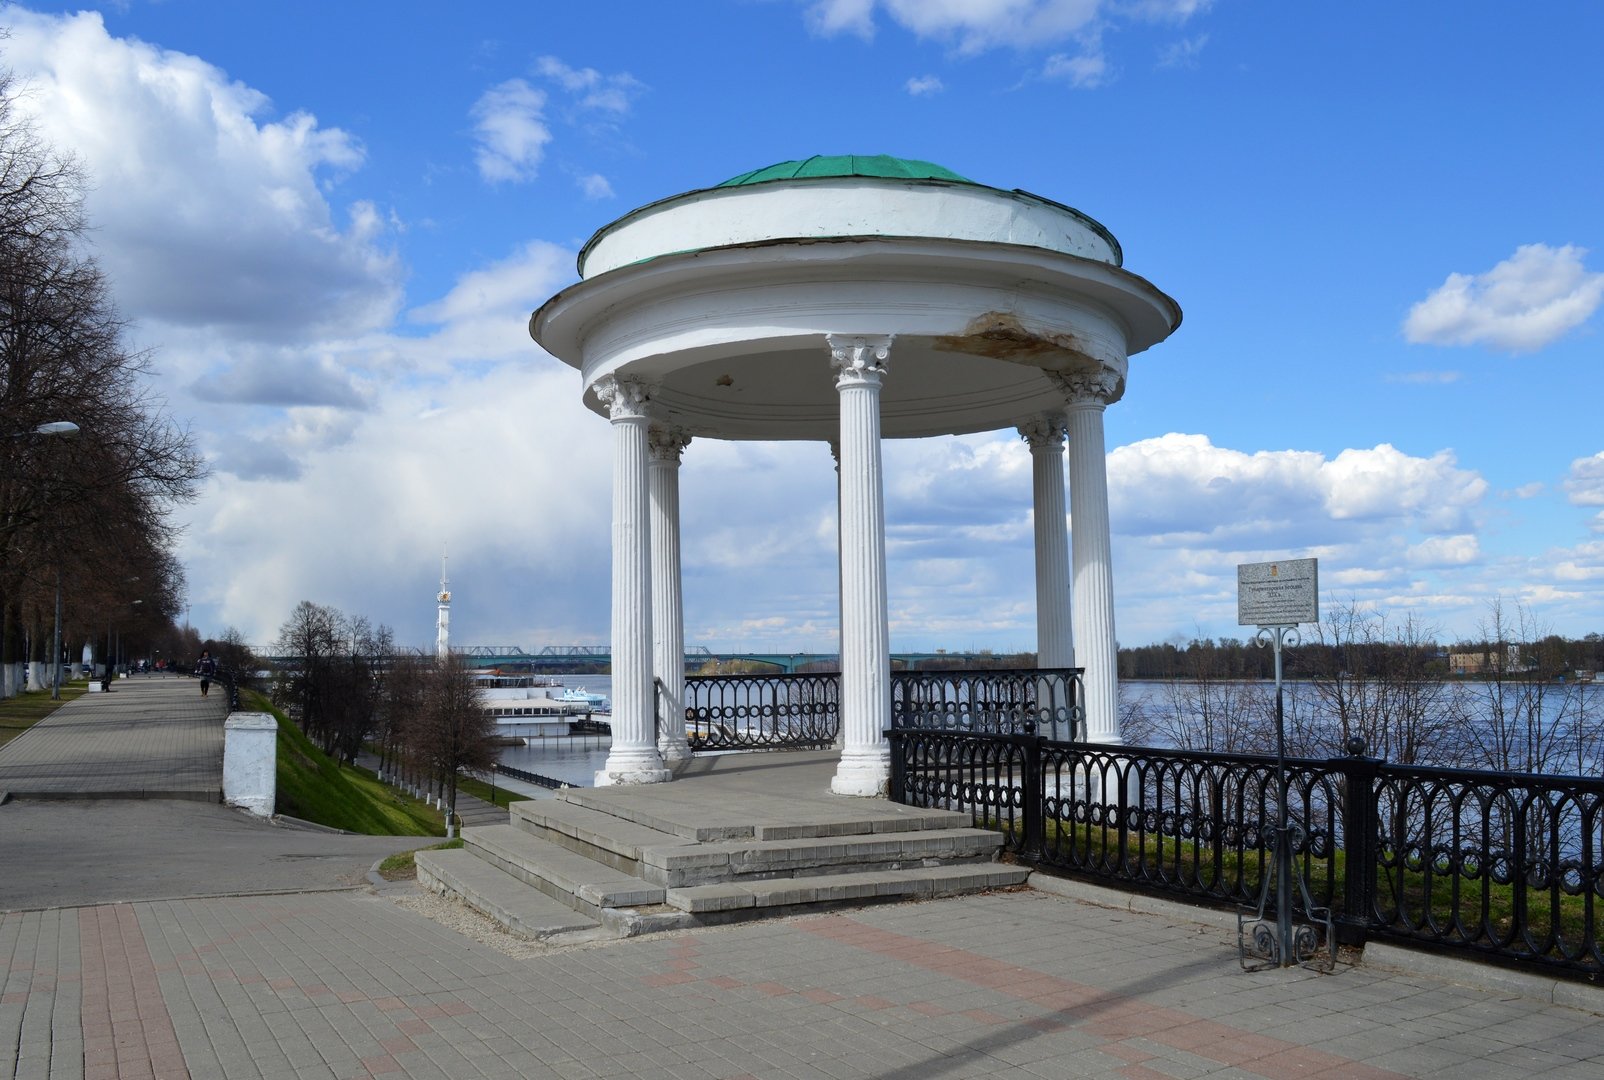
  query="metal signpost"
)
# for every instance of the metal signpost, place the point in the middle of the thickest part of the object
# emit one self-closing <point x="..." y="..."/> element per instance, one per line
<point x="1276" y="597"/>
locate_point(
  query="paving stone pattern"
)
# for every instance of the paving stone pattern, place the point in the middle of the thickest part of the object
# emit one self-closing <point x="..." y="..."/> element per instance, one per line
<point x="151" y="737"/>
<point x="1019" y="984"/>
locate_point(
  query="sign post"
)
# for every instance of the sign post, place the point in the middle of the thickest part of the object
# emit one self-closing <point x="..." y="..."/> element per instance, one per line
<point x="1276" y="597"/>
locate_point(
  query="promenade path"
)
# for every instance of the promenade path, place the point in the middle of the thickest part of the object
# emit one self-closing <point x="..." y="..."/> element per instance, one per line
<point x="152" y="737"/>
<point x="333" y="981"/>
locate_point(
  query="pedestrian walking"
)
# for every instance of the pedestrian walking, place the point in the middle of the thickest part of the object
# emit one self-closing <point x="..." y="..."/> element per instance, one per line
<point x="206" y="668"/>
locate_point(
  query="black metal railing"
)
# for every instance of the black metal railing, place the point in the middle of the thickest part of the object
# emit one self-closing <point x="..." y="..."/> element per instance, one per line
<point x="762" y="712"/>
<point x="529" y="777"/>
<point x="1013" y="701"/>
<point x="1503" y="865"/>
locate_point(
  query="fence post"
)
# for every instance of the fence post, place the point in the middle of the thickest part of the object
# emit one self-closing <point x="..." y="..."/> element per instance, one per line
<point x="1032" y="788"/>
<point x="899" y="772"/>
<point x="1359" y="839"/>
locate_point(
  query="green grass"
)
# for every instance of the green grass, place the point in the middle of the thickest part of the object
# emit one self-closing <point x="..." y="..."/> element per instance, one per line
<point x="314" y="788"/>
<point x="1479" y="905"/>
<point x="480" y="790"/>
<point x="22" y="712"/>
<point x="401" y="866"/>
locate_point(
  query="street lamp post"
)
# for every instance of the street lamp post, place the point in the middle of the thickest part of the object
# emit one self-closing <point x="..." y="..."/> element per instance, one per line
<point x="55" y="676"/>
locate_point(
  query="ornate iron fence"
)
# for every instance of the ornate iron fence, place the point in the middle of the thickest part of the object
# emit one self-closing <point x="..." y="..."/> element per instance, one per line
<point x="784" y="712"/>
<point x="1011" y="701"/>
<point x="1504" y="865"/>
<point x="762" y="712"/>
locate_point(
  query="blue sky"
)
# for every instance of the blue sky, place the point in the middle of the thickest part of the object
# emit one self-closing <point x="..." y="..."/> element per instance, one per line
<point x="330" y="222"/>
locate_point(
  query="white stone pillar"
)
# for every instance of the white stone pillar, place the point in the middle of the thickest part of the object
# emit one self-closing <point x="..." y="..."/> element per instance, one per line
<point x="633" y="758"/>
<point x="1055" y="644"/>
<point x="1095" y="646"/>
<point x="865" y="767"/>
<point x="668" y="611"/>
<point x="250" y="762"/>
<point x="840" y="618"/>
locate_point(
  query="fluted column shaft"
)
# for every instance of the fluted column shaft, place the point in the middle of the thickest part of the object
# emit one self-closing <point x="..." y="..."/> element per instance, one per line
<point x="1095" y="647"/>
<point x="633" y="758"/>
<point x="668" y="612"/>
<point x="1055" y="643"/>
<point x="865" y="766"/>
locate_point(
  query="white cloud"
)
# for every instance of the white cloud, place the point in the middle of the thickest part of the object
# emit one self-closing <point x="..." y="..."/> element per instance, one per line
<point x="1384" y="482"/>
<point x="503" y="468"/>
<point x="924" y="86"/>
<point x="977" y="25"/>
<point x="1529" y="491"/>
<point x="595" y="186"/>
<point x="590" y="89"/>
<point x="831" y="17"/>
<point x="1183" y="53"/>
<point x="208" y="211"/>
<point x="1527" y="302"/>
<point x="510" y="128"/>
<point x="485" y="316"/>
<point x="974" y="26"/>
<point x="1585" y="485"/>
<point x="1423" y="378"/>
<point x="1445" y="551"/>
<point x="280" y="377"/>
<point x="1185" y="512"/>
<point x="1085" y="71"/>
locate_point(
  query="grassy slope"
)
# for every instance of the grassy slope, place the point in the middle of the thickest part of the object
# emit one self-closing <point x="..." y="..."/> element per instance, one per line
<point x="313" y="788"/>
<point x="22" y="712"/>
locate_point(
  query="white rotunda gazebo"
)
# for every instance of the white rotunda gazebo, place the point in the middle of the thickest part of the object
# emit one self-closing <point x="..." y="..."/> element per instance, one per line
<point x="846" y="300"/>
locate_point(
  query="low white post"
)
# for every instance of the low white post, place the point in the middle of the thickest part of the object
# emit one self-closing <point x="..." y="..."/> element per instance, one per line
<point x="250" y="762"/>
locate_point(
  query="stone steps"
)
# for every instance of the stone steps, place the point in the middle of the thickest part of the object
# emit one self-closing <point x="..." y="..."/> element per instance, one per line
<point x="622" y="866"/>
<point x="521" y="911"/>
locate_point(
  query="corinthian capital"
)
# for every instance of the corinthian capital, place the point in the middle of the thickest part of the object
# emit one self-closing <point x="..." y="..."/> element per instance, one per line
<point x="666" y="443"/>
<point x="625" y="398"/>
<point x="1043" y="433"/>
<point x="1101" y="386"/>
<point x="858" y="360"/>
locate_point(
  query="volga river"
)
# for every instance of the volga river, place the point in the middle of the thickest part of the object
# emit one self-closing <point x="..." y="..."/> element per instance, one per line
<point x="576" y="760"/>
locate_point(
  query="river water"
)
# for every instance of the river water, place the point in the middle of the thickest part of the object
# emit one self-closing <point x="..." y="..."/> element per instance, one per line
<point x="576" y="760"/>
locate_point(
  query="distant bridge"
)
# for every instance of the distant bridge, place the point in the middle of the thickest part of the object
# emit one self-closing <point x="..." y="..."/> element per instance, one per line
<point x="554" y="659"/>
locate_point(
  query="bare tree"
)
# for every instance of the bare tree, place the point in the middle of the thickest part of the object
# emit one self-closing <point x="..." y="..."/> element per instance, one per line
<point x="313" y="639"/>
<point x="1375" y="680"/>
<point x="453" y="731"/>
<point x="1208" y="706"/>
<point x="1517" y="719"/>
<point x="72" y="511"/>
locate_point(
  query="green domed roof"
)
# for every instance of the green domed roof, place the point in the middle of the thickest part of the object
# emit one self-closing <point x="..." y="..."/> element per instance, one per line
<point x="819" y="166"/>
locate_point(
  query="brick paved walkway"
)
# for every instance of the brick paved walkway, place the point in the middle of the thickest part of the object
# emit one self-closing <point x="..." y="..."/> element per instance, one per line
<point x="1019" y="984"/>
<point x="151" y="737"/>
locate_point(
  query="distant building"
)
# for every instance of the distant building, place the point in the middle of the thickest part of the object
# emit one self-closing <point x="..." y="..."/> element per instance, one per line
<point x="1487" y="660"/>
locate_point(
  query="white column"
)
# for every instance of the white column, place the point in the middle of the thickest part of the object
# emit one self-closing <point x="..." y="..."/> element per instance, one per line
<point x="840" y="619"/>
<point x="668" y="613"/>
<point x="634" y="758"/>
<point x="1055" y="645"/>
<point x="1095" y="647"/>
<point x="865" y="767"/>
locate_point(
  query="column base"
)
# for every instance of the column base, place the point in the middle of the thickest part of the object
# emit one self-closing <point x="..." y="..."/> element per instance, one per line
<point x="634" y="766"/>
<point x="622" y="778"/>
<point x="863" y="775"/>
<point x="675" y="755"/>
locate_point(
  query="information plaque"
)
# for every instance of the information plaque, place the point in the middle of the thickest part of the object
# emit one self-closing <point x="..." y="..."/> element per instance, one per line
<point x="1283" y="593"/>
